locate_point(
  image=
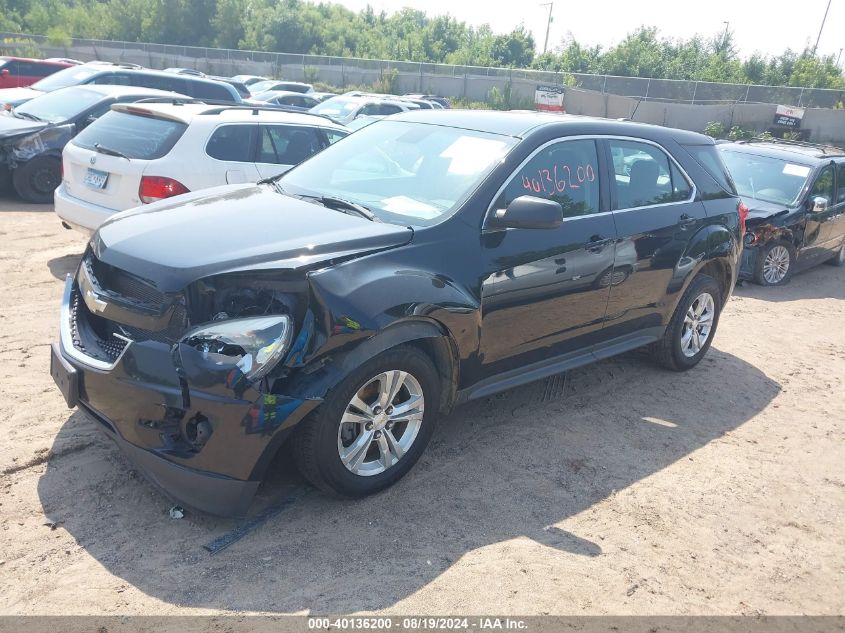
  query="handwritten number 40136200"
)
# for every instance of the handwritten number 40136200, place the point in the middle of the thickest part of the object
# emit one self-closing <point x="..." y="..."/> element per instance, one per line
<point x="551" y="181"/>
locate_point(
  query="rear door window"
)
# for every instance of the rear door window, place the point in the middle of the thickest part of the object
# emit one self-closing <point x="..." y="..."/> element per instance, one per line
<point x="644" y="176"/>
<point x="232" y="143"/>
<point x="840" y="183"/>
<point x="287" y="144"/>
<point x="136" y="136"/>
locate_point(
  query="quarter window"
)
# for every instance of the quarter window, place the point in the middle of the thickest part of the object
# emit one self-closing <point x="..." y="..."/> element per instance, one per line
<point x="232" y="143"/>
<point x="566" y="172"/>
<point x="644" y="176"/>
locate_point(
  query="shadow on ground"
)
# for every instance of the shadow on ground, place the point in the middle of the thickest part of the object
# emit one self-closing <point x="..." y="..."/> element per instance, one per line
<point x="820" y="282"/>
<point x="506" y="467"/>
<point x="61" y="267"/>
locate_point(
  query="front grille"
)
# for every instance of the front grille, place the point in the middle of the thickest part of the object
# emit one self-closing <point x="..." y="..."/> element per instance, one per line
<point x="95" y="335"/>
<point x="123" y="283"/>
<point x="90" y="343"/>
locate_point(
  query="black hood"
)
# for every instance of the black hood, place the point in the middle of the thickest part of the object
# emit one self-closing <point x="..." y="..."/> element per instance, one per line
<point x="236" y="227"/>
<point x="760" y="210"/>
<point x="12" y="126"/>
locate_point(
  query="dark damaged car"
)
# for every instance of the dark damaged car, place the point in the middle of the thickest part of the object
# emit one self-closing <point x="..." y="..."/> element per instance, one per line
<point x="429" y="259"/>
<point x="795" y="192"/>
<point x="33" y="135"/>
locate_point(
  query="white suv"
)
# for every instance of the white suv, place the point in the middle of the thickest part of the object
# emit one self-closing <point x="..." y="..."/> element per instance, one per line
<point x="143" y="152"/>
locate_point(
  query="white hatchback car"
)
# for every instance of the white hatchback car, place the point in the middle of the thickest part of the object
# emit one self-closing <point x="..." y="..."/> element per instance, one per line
<point x="150" y="151"/>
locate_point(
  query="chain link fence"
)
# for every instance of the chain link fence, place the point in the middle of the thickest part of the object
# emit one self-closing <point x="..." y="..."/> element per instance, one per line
<point x="232" y="61"/>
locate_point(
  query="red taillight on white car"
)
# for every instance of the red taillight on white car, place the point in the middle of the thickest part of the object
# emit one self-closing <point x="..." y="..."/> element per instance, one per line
<point x="743" y="216"/>
<point x="155" y="188"/>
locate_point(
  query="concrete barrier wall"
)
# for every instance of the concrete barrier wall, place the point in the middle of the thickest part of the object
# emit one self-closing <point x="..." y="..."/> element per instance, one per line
<point x="823" y="125"/>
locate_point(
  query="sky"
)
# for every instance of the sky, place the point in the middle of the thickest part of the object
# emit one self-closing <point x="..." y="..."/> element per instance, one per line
<point x="768" y="27"/>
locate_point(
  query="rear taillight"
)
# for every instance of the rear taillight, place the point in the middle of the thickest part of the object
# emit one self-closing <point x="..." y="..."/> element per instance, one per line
<point x="154" y="188"/>
<point x="743" y="216"/>
<point x="7" y="107"/>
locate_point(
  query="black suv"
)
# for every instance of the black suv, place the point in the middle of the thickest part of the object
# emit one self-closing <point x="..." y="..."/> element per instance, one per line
<point x="426" y="260"/>
<point x="796" y="197"/>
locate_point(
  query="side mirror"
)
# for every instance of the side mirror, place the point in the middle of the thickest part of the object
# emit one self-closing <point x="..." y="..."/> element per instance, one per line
<point x="820" y="204"/>
<point x="529" y="212"/>
<point x="4" y="72"/>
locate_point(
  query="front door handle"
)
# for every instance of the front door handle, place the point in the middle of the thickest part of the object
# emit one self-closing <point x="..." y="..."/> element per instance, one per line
<point x="596" y="243"/>
<point x="686" y="219"/>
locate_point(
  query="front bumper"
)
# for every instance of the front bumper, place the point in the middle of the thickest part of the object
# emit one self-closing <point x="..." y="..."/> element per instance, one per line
<point x="148" y="409"/>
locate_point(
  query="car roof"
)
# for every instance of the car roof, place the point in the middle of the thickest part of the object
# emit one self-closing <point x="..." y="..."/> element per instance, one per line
<point x="51" y="62"/>
<point x="790" y="150"/>
<point x="121" y="91"/>
<point x="521" y="123"/>
<point x="283" y="93"/>
<point x="188" y="112"/>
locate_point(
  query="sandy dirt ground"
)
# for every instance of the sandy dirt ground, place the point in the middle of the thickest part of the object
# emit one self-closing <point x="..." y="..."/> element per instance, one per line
<point x="617" y="489"/>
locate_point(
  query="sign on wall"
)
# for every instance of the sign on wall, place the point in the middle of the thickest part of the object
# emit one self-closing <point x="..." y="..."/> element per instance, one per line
<point x="786" y="116"/>
<point x="549" y="98"/>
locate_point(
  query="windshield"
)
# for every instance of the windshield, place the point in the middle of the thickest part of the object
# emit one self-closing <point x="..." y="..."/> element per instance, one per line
<point x="337" y="106"/>
<point x="405" y="173"/>
<point x="72" y="76"/>
<point x="764" y="178"/>
<point x="59" y="106"/>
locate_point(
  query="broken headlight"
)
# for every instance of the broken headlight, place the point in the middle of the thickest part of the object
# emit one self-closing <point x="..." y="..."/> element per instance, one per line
<point x="257" y="343"/>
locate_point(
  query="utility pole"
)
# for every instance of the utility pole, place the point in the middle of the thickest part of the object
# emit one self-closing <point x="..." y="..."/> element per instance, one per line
<point x="725" y="38"/>
<point x="548" y="24"/>
<point x="821" y="28"/>
<point x="838" y="57"/>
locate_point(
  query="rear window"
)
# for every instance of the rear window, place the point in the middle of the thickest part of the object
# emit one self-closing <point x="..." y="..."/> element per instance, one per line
<point x="135" y="136"/>
<point x="208" y="90"/>
<point x="708" y="158"/>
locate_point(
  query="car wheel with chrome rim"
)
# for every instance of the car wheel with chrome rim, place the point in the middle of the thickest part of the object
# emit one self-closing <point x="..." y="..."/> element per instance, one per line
<point x="775" y="263"/>
<point x="373" y="426"/>
<point x="692" y="327"/>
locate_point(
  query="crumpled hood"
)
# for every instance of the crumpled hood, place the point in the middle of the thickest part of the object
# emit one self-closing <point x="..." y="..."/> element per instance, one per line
<point x="12" y="127"/>
<point x="759" y="209"/>
<point x="17" y="96"/>
<point x="235" y="227"/>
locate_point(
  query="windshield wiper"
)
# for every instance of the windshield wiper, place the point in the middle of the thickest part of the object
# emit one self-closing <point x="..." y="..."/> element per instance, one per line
<point x="27" y="115"/>
<point x="339" y="204"/>
<point x="108" y="151"/>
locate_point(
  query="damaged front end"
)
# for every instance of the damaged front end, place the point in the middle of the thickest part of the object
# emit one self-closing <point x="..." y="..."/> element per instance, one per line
<point x="19" y="146"/>
<point x="189" y="383"/>
<point x="765" y="224"/>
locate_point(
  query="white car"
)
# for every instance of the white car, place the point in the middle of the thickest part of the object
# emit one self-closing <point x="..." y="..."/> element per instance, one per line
<point x="150" y="151"/>
<point x="346" y="108"/>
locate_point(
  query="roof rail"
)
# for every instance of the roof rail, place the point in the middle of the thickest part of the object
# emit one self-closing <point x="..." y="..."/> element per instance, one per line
<point x="827" y="150"/>
<point x="245" y="106"/>
<point x="223" y="106"/>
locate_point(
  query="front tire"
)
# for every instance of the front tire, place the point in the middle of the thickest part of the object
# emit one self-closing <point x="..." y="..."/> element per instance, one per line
<point x="373" y="426"/>
<point x="693" y="326"/>
<point x="35" y="181"/>
<point x="774" y="265"/>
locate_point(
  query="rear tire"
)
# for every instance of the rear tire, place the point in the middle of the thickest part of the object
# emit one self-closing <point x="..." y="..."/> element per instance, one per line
<point x="35" y="181"/>
<point x="693" y="326"/>
<point x="839" y="258"/>
<point x="325" y="445"/>
<point x="775" y="264"/>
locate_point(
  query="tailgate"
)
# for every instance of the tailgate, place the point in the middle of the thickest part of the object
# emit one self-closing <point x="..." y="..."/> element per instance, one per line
<point x="107" y="181"/>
